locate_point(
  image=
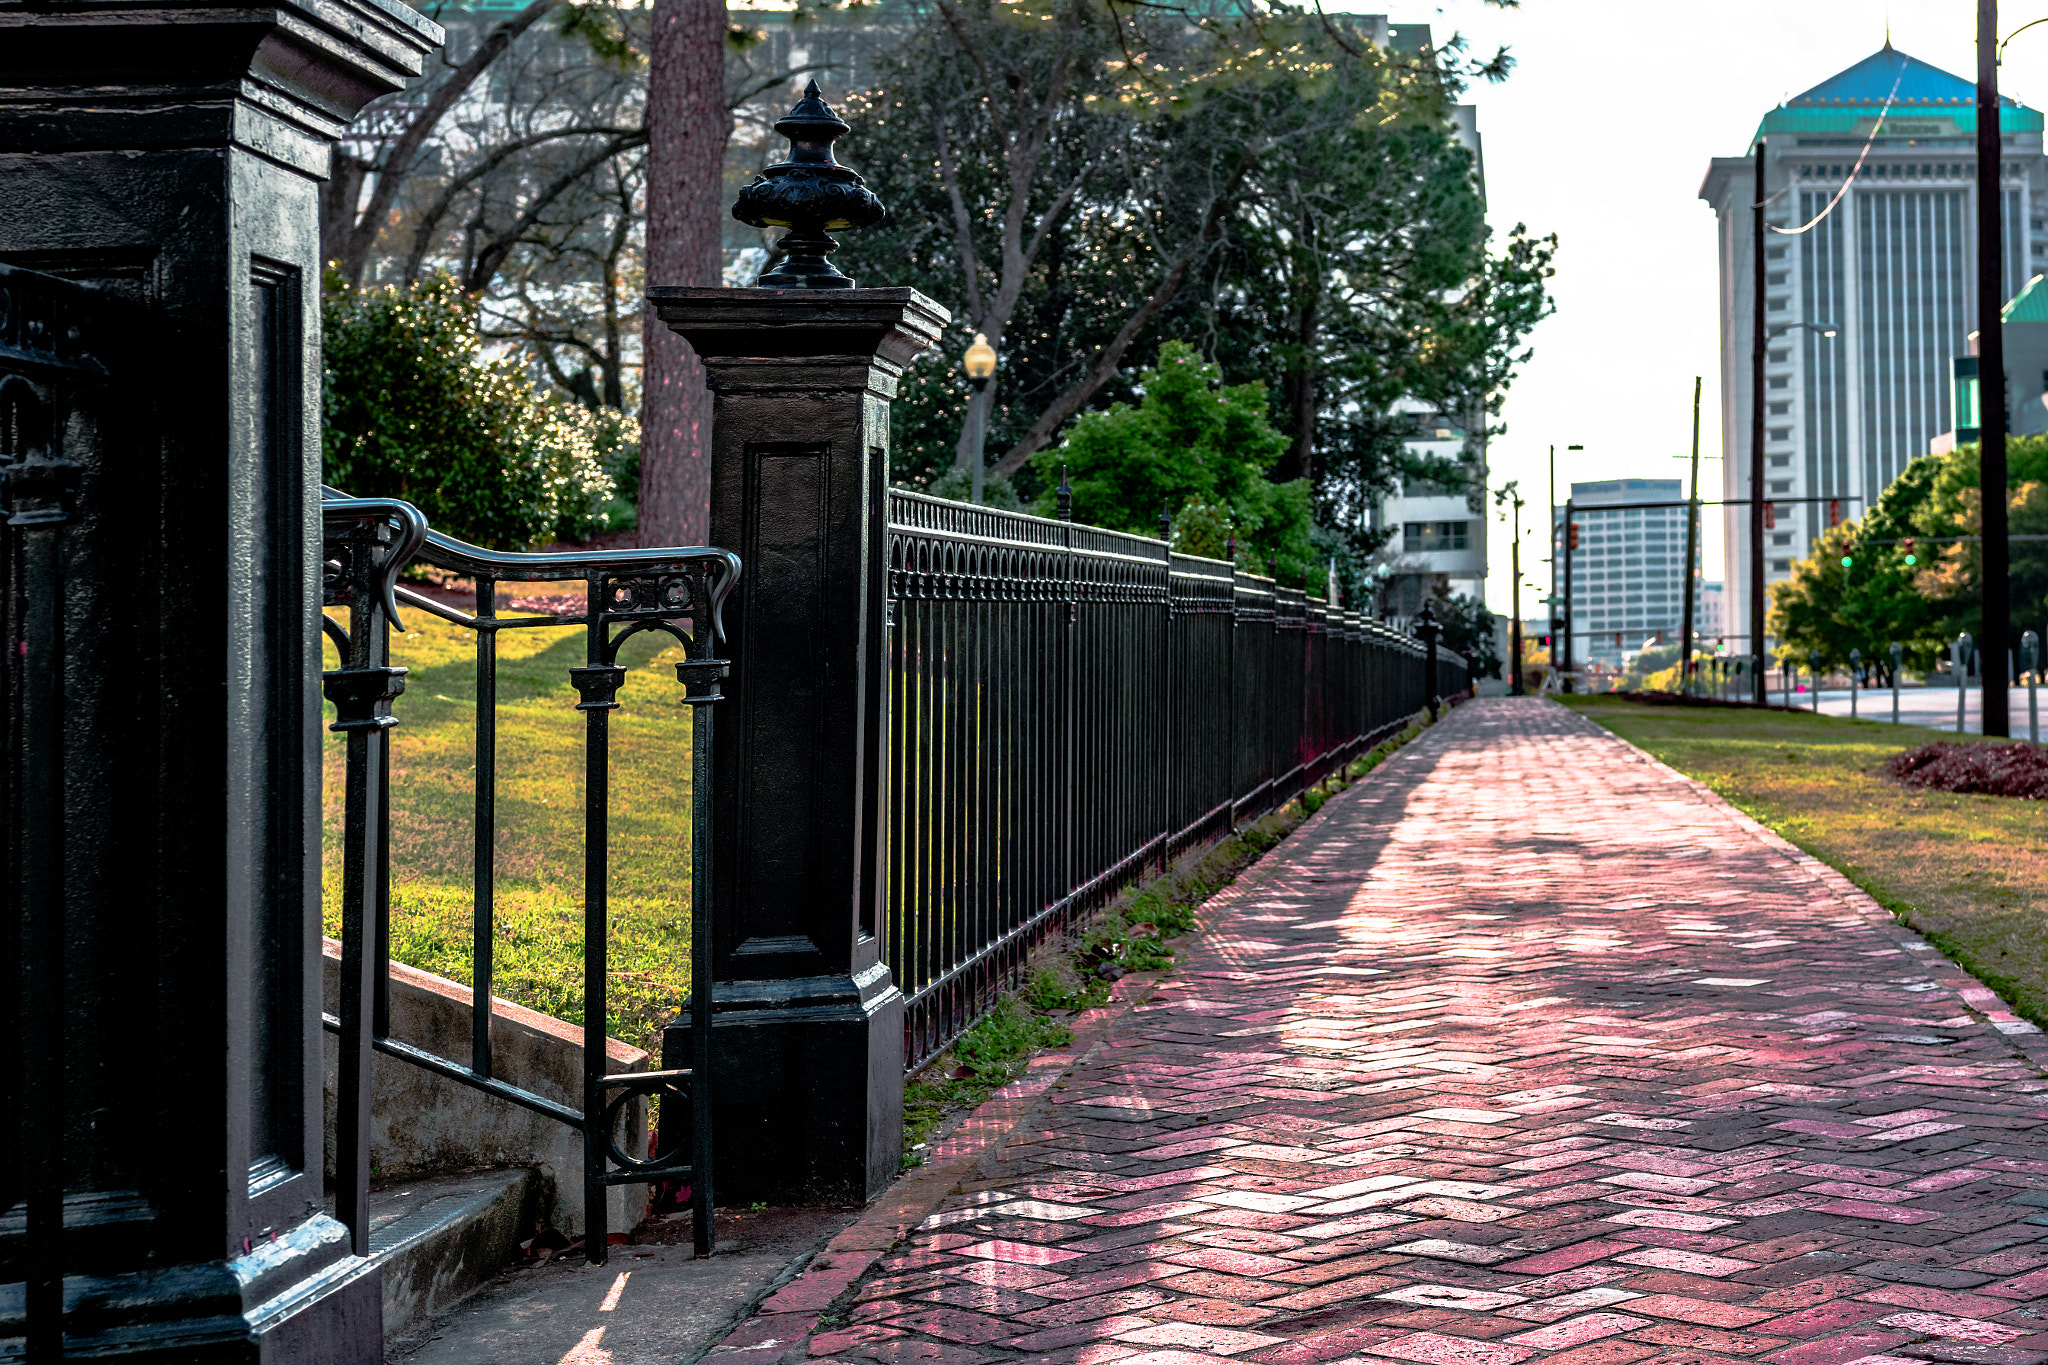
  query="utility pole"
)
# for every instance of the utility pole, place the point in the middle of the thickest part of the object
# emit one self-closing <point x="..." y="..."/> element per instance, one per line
<point x="1560" y="607"/>
<point x="1692" y="546"/>
<point x="1997" y="587"/>
<point x="1756" y="439"/>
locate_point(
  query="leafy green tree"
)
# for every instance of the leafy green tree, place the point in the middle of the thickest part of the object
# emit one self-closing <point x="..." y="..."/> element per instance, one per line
<point x="1951" y="572"/>
<point x="415" y="410"/>
<point x="1266" y="183"/>
<point x="1198" y="450"/>
<point x="1468" y="629"/>
<point x="1877" y="598"/>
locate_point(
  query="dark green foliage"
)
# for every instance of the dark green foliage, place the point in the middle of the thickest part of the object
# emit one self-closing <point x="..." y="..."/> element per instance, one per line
<point x="1299" y="196"/>
<point x="990" y="1054"/>
<point x="415" y="410"/>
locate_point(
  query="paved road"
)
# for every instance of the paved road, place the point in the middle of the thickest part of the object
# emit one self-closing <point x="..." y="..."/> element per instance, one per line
<point x="1525" y="1049"/>
<point x="1934" y="707"/>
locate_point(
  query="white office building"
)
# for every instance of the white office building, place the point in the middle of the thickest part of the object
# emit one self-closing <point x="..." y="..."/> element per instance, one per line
<point x="1628" y="572"/>
<point x="1891" y="270"/>
<point x="1436" y="538"/>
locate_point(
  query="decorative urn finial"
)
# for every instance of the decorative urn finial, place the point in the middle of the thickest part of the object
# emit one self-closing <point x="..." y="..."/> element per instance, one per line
<point x="811" y="195"/>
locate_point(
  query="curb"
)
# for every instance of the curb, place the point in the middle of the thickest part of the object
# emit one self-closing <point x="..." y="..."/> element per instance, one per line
<point x="782" y="1326"/>
<point x="1974" y="996"/>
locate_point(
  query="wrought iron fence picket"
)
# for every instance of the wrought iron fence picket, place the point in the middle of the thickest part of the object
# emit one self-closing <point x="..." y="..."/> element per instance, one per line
<point x="1069" y="706"/>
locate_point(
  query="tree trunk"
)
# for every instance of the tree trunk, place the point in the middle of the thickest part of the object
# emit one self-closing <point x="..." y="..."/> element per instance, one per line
<point x="1300" y="382"/>
<point x="688" y="125"/>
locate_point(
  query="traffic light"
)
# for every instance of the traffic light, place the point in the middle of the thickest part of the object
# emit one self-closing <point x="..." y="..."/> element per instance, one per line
<point x="1770" y="517"/>
<point x="1907" y="546"/>
<point x="1847" y="561"/>
<point x="1572" y="537"/>
<point x="1834" y="511"/>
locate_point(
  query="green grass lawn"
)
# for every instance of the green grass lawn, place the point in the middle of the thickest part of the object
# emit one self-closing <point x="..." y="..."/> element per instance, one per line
<point x="1969" y="872"/>
<point x="539" y="916"/>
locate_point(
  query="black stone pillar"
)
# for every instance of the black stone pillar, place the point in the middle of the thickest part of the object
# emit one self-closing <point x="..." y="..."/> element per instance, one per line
<point x="809" y="1027"/>
<point x="160" y="1109"/>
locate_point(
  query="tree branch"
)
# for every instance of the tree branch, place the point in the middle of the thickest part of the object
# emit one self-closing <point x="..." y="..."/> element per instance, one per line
<point x="430" y="221"/>
<point x="492" y="258"/>
<point x="1106" y="364"/>
<point x="399" y="156"/>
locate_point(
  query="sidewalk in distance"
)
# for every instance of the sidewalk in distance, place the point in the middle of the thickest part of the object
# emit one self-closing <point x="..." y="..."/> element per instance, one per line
<point x="1524" y="1049"/>
<point x="1968" y="871"/>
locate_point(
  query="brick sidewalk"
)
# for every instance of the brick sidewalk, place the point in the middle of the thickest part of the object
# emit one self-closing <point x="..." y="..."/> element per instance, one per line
<point x="1525" y="1048"/>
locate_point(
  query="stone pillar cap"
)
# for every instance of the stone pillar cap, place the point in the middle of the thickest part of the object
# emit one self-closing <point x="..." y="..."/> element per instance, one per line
<point x="790" y="323"/>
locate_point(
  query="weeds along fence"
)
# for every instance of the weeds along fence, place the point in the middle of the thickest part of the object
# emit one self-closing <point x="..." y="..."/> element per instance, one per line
<point x="1070" y="706"/>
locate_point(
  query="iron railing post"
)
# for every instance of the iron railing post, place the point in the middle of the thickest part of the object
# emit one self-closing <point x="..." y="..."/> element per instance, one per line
<point x="483" y="927"/>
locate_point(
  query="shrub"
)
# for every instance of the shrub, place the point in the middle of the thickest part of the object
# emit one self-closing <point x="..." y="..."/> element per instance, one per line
<point x="415" y="410"/>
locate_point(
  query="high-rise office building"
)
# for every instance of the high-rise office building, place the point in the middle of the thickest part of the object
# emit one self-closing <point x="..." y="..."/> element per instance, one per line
<point x="1628" y="572"/>
<point x="1891" y="270"/>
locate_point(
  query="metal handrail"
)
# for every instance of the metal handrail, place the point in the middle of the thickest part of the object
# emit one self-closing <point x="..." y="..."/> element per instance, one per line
<point x="367" y="544"/>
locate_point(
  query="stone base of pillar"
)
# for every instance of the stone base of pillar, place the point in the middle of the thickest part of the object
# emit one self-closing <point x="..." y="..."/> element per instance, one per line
<point x="809" y="1079"/>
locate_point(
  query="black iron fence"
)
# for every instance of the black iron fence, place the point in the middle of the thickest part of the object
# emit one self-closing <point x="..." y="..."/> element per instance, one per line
<point x="368" y="543"/>
<point x="1069" y="706"/>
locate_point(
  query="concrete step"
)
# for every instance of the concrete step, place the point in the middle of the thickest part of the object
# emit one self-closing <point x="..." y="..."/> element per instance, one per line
<point x="440" y="1238"/>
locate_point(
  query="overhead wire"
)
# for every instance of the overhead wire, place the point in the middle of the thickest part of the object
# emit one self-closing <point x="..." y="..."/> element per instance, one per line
<point x="1854" y="170"/>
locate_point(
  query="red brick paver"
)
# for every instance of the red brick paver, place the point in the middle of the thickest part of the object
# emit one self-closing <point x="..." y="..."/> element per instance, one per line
<point x="1526" y="1049"/>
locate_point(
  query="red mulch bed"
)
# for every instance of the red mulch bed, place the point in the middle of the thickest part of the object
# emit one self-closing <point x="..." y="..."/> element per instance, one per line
<point x="1988" y="769"/>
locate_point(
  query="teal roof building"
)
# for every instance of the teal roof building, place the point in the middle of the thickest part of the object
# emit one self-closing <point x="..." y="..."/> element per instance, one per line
<point x="1870" y="271"/>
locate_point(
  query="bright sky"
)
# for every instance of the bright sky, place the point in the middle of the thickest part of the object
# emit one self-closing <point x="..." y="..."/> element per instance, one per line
<point x="1602" y="135"/>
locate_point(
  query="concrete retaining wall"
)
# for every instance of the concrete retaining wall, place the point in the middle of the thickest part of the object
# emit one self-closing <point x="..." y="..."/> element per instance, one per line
<point x="421" y="1123"/>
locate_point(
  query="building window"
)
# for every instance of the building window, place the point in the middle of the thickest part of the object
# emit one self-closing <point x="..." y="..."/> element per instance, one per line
<point x="1781" y="485"/>
<point x="1777" y="305"/>
<point x="1781" y="566"/>
<point x="1780" y="461"/>
<point x="1781" y="381"/>
<point x="1782" y="538"/>
<point x="1420" y="537"/>
<point x="1781" y="433"/>
<point x="1780" y="357"/>
<point x="1781" y="409"/>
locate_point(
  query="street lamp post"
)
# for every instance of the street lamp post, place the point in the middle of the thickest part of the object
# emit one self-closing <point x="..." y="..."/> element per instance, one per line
<point x="1760" y="336"/>
<point x="980" y="364"/>
<point x="1692" y="551"/>
<point x="1512" y="494"/>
